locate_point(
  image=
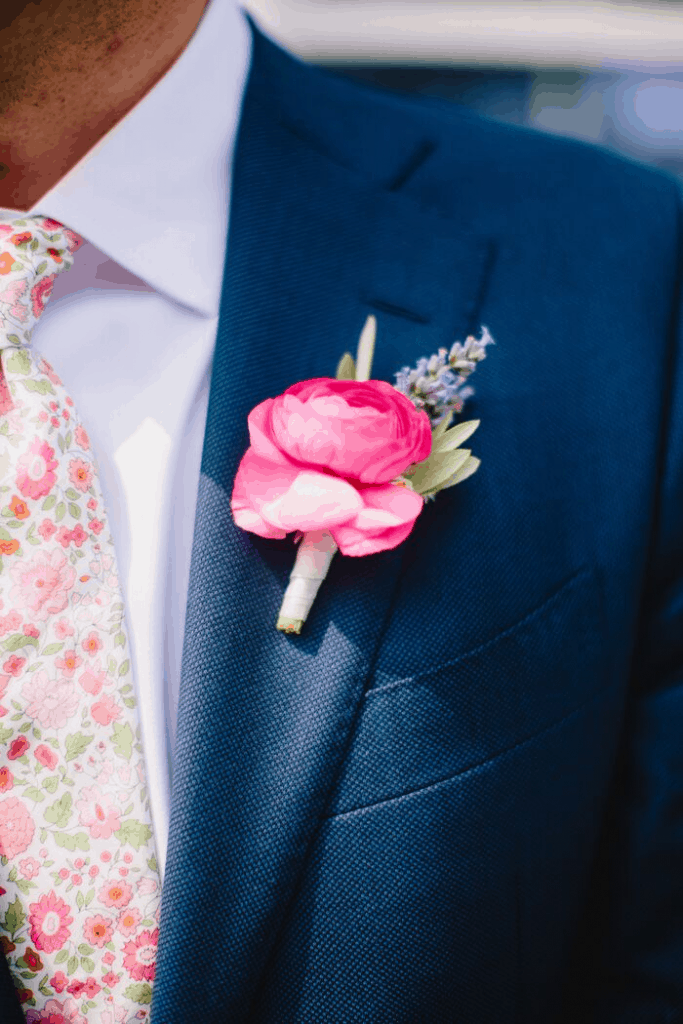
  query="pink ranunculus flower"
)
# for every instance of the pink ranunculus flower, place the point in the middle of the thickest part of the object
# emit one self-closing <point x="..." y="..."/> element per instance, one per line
<point x="36" y="470"/>
<point x="16" y="827"/>
<point x="42" y="584"/>
<point x="322" y="457"/>
<point x="97" y="811"/>
<point x="51" y="701"/>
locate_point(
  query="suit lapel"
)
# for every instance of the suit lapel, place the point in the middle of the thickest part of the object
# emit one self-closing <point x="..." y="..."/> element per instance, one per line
<point x="265" y="719"/>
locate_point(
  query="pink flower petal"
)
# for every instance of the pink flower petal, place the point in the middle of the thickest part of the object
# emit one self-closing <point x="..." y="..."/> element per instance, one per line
<point x="388" y="515"/>
<point x="258" y="482"/>
<point x="259" y="430"/>
<point x="314" y="501"/>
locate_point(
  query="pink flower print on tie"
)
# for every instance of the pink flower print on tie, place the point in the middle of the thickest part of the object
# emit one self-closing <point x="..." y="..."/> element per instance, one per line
<point x="36" y="475"/>
<point x="16" y="827"/>
<point x="49" y="919"/>
<point x="42" y="584"/>
<point x="99" y="814"/>
<point x="79" y="885"/>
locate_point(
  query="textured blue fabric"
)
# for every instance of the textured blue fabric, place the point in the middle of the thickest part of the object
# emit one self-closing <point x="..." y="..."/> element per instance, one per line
<point x="458" y="797"/>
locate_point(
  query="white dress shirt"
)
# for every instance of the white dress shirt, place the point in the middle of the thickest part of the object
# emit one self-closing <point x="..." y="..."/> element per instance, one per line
<point x="131" y="331"/>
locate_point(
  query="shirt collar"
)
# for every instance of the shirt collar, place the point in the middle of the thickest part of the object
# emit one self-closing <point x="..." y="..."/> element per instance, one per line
<point x="153" y="193"/>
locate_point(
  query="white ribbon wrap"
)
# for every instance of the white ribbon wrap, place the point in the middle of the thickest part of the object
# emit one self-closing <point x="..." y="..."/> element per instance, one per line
<point x="316" y="551"/>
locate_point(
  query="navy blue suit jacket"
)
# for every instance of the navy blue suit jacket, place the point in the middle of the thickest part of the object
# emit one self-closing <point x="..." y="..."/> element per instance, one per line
<point x="458" y="796"/>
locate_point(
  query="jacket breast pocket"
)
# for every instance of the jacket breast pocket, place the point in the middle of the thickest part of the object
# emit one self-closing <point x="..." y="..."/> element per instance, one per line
<point x="420" y="730"/>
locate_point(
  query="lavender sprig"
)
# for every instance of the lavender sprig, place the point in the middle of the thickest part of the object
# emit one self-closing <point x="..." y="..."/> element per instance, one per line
<point x="438" y="384"/>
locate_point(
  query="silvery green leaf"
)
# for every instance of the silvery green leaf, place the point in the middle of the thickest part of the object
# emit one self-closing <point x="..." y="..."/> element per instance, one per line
<point x="432" y="474"/>
<point x="346" y="370"/>
<point x="470" y="467"/>
<point x="456" y="436"/>
<point x="441" y="428"/>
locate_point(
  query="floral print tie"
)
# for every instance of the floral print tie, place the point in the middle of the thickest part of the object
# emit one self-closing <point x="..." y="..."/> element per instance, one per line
<point x="79" y="885"/>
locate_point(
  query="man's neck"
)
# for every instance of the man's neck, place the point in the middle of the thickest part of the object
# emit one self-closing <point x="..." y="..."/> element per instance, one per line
<point x="69" y="71"/>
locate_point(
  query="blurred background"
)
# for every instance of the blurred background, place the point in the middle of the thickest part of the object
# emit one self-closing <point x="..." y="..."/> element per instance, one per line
<point x="607" y="72"/>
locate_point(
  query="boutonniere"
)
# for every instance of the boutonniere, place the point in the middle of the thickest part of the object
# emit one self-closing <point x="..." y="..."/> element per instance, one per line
<point x="347" y="463"/>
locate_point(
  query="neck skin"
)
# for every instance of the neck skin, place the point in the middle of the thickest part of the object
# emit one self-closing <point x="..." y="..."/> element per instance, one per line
<point x="69" y="71"/>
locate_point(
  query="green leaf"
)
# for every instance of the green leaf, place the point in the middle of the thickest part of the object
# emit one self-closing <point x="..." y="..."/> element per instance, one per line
<point x="12" y="875"/>
<point x="454" y="437"/>
<point x="14" y="917"/>
<point x="85" y="950"/>
<point x="79" y="900"/>
<point x="67" y="442"/>
<point x="110" y="946"/>
<point x="72" y="964"/>
<point x="441" y="427"/>
<point x="123" y="740"/>
<point x="59" y="812"/>
<point x="79" y="841"/>
<point x="18" y="362"/>
<point x="124" y="667"/>
<point x="433" y="473"/>
<point x="33" y="793"/>
<point x="41" y="387"/>
<point x="5" y="734"/>
<point x="60" y="512"/>
<point x="346" y="368"/>
<point x="50" y="784"/>
<point x="89" y="897"/>
<point x="470" y="467"/>
<point x="25" y="727"/>
<point x="4" y="535"/>
<point x="49" y="503"/>
<point x="87" y="964"/>
<point x="152" y="863"/>
<point x="74" y="510"/>
<point x="71" y="494"/>
<point x="133" y="832"/>
<point x="61" y="956"/>
<point x="111" y="665"/>
<point x="75" y="744"/>
<point x="42" y="267"/>
<point x="17" y="640"/>
<point x="119" y="639"/>
<point x="140" y="993"/>
<point x="24" y="885"/>
<point x="51" y="649"/>
<point x="15" y="339"/>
